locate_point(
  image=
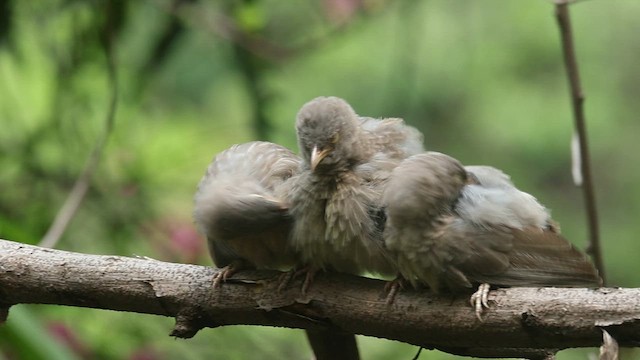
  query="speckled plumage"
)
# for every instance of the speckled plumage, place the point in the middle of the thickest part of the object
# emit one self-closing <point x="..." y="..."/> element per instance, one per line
<point x="336" y="199"/>
<point x="237" y="209"/>
<point x="454" y="228"/>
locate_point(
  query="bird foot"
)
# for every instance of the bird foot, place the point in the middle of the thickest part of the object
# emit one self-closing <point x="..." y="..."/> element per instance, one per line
<point x="308" y="280"/>
<point x="480" y="299"/>
<point x="224" y="273"/>
<point x="292" y="274"/>
<point x="284" y="279"/>
<point x="310" y="274"/>
<point x="392" y="287"/>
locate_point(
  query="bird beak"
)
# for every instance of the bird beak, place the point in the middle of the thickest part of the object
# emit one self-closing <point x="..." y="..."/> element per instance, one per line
<point x="317" y="156"/>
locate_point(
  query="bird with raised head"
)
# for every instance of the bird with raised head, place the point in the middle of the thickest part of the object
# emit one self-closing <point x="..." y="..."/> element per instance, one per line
<point x="335" y="201"/>
<point x="455" y="228"/>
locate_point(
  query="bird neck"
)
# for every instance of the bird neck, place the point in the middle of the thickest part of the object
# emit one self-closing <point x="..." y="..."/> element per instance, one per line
<point x="333" y="175"/>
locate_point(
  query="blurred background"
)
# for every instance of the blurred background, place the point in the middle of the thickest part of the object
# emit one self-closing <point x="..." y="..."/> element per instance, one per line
<point x="483" y="80"/>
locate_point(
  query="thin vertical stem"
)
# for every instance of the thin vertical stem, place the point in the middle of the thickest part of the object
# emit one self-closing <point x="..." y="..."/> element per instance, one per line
<point x="81" y="186"/>
<point x="577" y="100"/>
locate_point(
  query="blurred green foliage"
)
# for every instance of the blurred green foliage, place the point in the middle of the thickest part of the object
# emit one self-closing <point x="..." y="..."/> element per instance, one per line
<point x="483" y="80"/>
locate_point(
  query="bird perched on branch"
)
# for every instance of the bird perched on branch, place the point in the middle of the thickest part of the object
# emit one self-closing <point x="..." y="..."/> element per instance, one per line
<point x="237" y="209"/>
<point x="336" y="199"/>
<point x="455" y="228"/>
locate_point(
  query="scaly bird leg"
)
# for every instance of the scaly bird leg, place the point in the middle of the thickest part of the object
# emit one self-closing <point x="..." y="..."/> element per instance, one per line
<point x="284" y="279"/>
<point x="308" y="280"/>
<point x="392" y="287"/>
<point x="480" y="299"/>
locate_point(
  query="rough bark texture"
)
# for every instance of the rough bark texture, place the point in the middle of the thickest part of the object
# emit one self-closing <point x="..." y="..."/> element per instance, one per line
<point x="519" y="321"/>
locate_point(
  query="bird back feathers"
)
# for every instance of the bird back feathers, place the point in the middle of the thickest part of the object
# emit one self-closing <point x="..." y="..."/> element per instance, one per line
<point x="237" y="208"/>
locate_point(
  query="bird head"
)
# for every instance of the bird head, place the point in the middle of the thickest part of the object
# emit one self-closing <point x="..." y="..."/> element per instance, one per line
<point x="328" y="133"/>
<point x="424" y="186"/>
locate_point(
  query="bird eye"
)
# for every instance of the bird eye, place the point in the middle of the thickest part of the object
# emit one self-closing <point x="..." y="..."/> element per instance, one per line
<point x="335" y="138"/>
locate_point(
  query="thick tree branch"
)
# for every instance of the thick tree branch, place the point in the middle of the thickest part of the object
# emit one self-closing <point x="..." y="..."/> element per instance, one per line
<point x="519" y="320"/>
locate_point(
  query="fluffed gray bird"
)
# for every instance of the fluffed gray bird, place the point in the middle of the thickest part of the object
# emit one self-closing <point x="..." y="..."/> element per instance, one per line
<point x="454" y="228"/>
<point x="237" y="209"/>
<point x="336" y="199"/>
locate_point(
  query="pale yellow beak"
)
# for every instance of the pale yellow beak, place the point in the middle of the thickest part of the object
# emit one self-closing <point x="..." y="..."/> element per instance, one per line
<point x="317" y="156"/>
